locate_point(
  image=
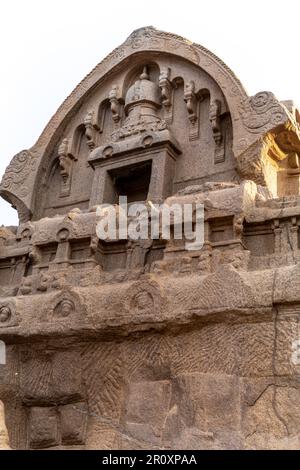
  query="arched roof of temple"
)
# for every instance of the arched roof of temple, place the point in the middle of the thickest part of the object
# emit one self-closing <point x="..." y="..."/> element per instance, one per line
<point x="255" y="129"/>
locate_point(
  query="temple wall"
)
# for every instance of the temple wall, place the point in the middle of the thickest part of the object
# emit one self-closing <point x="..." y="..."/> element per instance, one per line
<point x="122" y="343"/>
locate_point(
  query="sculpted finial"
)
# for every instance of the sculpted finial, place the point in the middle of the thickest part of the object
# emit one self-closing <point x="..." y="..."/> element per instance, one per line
<point x="144" y="75"/>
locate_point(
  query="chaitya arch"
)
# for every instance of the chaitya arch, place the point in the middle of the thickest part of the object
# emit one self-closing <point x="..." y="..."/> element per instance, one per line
<point x="264" y="131"/>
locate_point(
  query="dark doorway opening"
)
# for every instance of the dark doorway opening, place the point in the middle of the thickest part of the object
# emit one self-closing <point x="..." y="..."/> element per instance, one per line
<point x="132" y="181"/>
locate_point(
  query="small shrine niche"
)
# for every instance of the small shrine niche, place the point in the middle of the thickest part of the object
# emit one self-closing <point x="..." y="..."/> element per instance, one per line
<point x="106" y="123"/>
<point x="139" y="160"/>
<point x="131" y="181"/>
<point x="69" y="180"/>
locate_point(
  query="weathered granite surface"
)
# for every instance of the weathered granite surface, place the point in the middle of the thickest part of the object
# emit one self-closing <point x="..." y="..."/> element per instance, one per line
<point x="147" y="345"/>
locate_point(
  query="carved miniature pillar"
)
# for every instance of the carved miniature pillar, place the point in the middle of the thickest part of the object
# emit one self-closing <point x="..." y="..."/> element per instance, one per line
<point x="93" y="246"/>
<point x="167" y="95"/>
<point x="206" y="233"/>
<point x="293" y="174"/>
<point x="13" y="268"/>
<point x="63" y="247"/>
<point x="20" y="267"/>
<point x="93" y="249"/>
<point x="214" y="117"/>
<point x="204" y="260"/>
<point x="115" y="105"/>
<point x="192" y="108"/>
<point x="137" y="252"/>
<point x="90" y="129"/>
<point x="66" y="161"/>
<point x="238" y="226"/>
<point x="102" y="189"/>
<point x="293" y="229"/>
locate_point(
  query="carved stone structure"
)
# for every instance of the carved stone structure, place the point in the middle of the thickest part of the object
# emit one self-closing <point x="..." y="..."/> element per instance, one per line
<point x="145" y="345"/>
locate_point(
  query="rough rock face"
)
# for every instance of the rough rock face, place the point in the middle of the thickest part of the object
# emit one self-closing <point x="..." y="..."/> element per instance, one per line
<point x="145" y="344"/>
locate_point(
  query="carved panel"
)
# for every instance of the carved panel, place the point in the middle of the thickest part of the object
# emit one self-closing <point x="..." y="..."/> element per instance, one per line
<point x="42" y="428"/>
<point x="115" y="104"/>
<point x="144" y="299"/>
<point x="8" y="315"/>
<point x="167" y="94"/>
<point x="91" y="129"/>
<point x="214" y="117"/>
<point x="192" y="108"/>
<point x="66" y="167"/>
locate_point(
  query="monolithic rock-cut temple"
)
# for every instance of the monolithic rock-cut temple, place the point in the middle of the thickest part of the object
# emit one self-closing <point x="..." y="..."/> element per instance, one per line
<point x="121" y="344"/>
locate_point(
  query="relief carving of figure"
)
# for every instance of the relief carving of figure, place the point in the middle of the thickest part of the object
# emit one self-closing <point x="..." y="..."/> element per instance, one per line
<point x="137" y="253"/>
<point x="143" y="302"/>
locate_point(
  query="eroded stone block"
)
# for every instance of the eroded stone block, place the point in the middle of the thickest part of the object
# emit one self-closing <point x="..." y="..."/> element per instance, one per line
<point x="147" y="406"/>
<point x="73" y="423"/>
<point x="43" y="427"/>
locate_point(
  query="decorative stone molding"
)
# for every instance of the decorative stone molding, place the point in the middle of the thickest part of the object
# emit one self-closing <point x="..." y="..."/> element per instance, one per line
<point x="262" y="112"/>
<point x="66" y="161"/>
<point x="90" y="129"/>
<point x="192" y="108"/>
<point x="214" y="117"/>
<point x="166" y="93"/>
